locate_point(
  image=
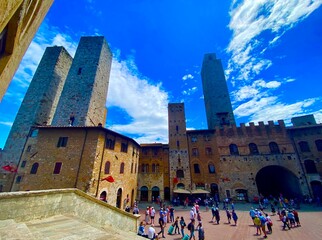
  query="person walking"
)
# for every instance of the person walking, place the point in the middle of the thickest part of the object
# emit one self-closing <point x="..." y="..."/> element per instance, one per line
<point x="191" y="228"/>
<point x="162" y="225"/>
<point x="235" y="217"/>
<point x="201" y="232"/>
<point x="182" y="225"/>
<point x="176" y="225"/>
<point x="228" y="215"/>
<point x="257" y="223"/>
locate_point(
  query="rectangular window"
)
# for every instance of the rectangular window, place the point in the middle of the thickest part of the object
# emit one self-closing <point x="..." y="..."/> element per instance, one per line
<point x="196" y="168"/>
<point x="124" y="147"/>
<point x="18" y="179"/>
<point x="109" y="143"/>
<point x="208" y="151"/>
<point x="195" y="152"/>
<point x="62" y="142"/>
<point x="23" y="164"/>
<point x="178" y="144"/>
<point x="57" y="168"/>
<point x="29" y="148"/>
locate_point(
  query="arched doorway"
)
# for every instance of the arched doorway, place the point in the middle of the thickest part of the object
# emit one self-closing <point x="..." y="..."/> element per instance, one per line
<point x="316" y="187"/>
<point x="214" y="191"/>
<point x="155" y="192"/>
<point x="167" y="193"/>
<point x="144" y="193"/>
<point x="119" y="198"/>
<point x="103" y="196"/>
<point x="276" y="180"/>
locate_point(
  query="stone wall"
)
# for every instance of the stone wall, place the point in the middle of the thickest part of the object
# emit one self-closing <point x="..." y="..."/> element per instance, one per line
<point x="26" y="206"/>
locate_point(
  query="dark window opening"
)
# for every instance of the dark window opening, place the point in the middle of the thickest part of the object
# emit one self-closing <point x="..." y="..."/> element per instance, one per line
<point x="208" y="151"/>
<point x="107" y="168"/>
<point x="195" y="152"/>
<point x="29" y="148"/>
<point x="180" y="174"/>
<point x="124" y="147"/>
<point x="109" y="143"/>
<point x="178" y="144"/>
<point x="3" y="40"/>
<point x="211" y="168"/>
<point x="23" y="164"/>
<point x="79" y="72"/>
<point x="318" y="144"/>
<point x="253" y="149"/>
<point x="196" y="168"/>
<point x="57" y="167"/>
<point x="122" y="168"/>
<point x="310" y="166"/>
<point x="233" y="149"/>
<point x="274" y="148"/>
<point x="18" y="179"/>
<point x="304" y="146"/>
<point x="62" y="142"/>
<point x="34" y="168"/>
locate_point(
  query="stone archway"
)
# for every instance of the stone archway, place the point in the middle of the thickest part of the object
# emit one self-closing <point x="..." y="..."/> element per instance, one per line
<point x="144" y="196"/>
<point x="103" y="196"/>
<point x="155" y="192"/>
<point x="275" y="180"/>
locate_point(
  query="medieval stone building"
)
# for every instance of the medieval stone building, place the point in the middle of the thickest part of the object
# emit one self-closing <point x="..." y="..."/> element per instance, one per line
<point x="58" y="141"/>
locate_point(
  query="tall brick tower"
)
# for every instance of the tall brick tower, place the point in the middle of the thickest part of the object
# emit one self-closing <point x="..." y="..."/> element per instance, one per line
<point x="178" y="147"/>
<point x="40" y="101"/>
<point x="217" y="102"/>
<point x="85" y="90"/>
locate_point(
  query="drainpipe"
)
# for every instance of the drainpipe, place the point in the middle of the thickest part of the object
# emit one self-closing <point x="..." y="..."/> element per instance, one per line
<point x="101" y="164"/>
<point x="81" y="158"/>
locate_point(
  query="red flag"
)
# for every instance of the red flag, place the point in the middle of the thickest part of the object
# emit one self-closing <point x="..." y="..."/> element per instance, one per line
<point x="175" y="180"/>
<point x="109" y="179"/>
<point x="10" y="168"/>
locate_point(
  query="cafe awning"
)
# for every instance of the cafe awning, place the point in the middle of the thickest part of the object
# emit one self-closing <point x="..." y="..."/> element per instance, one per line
<point x="181" y="190"/>
<point x="199" y="191"/>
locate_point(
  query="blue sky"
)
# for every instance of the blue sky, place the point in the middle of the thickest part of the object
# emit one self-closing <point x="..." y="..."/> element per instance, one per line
<point x="271" y="51"/>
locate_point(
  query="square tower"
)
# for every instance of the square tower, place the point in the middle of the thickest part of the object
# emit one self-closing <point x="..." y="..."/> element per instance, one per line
<point x="83" y="100"/>
<point x="179" y="163"/>
<point x="217" y="101"/>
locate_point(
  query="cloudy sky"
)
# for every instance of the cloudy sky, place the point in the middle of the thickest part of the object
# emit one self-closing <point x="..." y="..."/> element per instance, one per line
<point x="271" y="51"/>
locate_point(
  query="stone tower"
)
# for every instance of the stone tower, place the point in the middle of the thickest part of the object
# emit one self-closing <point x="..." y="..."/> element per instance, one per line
<point x="217" y="102"/>
<point x="40" y="101"/>
<point x="85" y="90"/>
<point x="178" y="147"/>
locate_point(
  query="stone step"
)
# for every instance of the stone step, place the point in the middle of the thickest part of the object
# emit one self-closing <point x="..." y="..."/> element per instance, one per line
<point x="71" y="227"/>
<point x="10" y="230"/>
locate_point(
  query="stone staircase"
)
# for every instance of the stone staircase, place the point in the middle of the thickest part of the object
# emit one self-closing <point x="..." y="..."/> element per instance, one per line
<point x="65" y="227"/>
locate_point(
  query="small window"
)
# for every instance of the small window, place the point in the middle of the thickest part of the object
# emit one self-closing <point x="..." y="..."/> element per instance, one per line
<point x="142" y="168"/>
<point x="157" y="168"/>
<point x="29" y="148"/>
<point x="274" y="148"/>
<point x="18" y="179"/>
<point x="253" y="149"/>
<point x="124" y="147"/>
<point x="310" y="167"/>
<point x="196" y="168"/>
<point x="208" y="151"/>
<point x="233" y="149"/>
<point x="206" y="138"/>
<point x="147" y="168"/>
<point x="57" y="167"/>
<point x="195" y="152"/>
<point x="62" y="142"/>
<point x="211" y="169"/>
<point x="23" y="163"/>
<point x="132" y="164"/>
<point x="180" y="174"/>
<point x="34" y="168"/>
<point x="107" y="168"/>
<point x="109" y="143"/>
<point x="304" y="146"/>
<point x="155" y="152"/>
<point x="153" y="168"/>
<point x="318" y="144"/>
<point x="122" y="168"/>
<point x="194" y="139"/>
<point x="177" y="128"/>
<point x="79" y="72"/>
<point x="178" y="144"/>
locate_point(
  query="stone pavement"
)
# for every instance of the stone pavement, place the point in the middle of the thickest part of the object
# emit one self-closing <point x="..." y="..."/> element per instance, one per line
<point x="310" y="217"/>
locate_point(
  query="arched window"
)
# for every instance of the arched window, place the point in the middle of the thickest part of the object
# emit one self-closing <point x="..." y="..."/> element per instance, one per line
<point x="180" y="174"/>
<point x="211" y="168"/>
<point x="274" y="148"/>
<point x="34" y="168"/>
<point x="122" y="168"/>
<point x="153" y="168"/>
<point x="196" y="168"/>
<point x="233" y="149"/>
<point x="310" y="166"/>
<point x="208" y="151"/>
<point x="304" y="146"/>
<point x="318" y="144"/>
<point x="146" y="168"/>
<point x="107" y="168"/>
<point x="157" y="168"/>
<point x="253" y="149"/>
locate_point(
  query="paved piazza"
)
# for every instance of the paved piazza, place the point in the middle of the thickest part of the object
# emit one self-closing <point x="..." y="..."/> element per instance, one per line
<point x="310" y="218"/>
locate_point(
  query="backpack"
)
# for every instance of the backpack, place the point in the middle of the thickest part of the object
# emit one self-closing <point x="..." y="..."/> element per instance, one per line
<point x="189" y="226"/>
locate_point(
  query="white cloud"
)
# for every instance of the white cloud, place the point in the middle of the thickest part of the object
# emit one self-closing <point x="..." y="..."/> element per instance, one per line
<point x="249" y="19"/>
<point x="6" y="123"/>
<point x="187" y="76"/>
<point x="189" y="91"/>
<point x="145" y="103"/>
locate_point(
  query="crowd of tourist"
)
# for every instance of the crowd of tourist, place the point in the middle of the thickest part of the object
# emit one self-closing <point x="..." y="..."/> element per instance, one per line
<point x="194" y="226"/>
